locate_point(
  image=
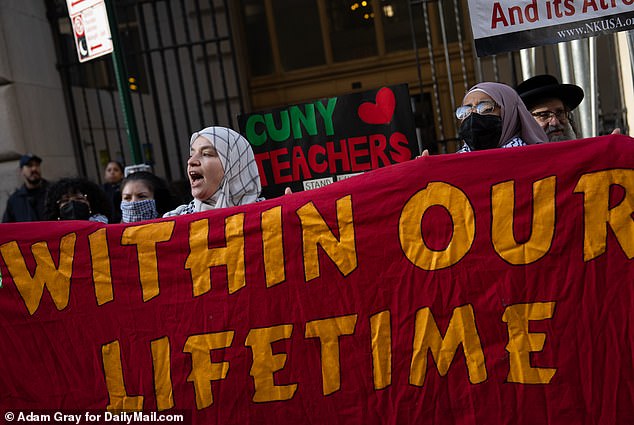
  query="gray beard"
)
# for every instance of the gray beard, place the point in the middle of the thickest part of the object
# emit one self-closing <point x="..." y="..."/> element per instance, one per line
<point x="569" y="133"/>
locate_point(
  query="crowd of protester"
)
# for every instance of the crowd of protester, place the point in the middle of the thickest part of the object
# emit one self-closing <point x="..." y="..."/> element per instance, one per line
<point x="222" y="171"/>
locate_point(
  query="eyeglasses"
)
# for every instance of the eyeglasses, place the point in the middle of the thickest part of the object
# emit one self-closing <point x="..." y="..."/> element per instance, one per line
<point x="546" y="116"/>
<point x="485" y="107"/>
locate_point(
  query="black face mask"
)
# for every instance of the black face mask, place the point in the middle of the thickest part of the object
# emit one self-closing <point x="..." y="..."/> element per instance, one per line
<point x="74" y="210"/>
<point x="481" y="132"/>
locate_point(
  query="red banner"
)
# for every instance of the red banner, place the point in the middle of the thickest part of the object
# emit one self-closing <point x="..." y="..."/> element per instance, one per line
<point x="489" y="287"/>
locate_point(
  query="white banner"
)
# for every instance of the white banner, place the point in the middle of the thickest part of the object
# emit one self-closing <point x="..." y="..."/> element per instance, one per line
<point x="507" y="25"/>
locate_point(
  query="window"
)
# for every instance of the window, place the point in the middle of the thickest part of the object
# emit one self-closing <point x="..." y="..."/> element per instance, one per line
<point x="396" y="25"/>
<point x="299" y="34"/>
<point x="258" y="39"/>
<point x="352" y="29"/>
<point x="310" y="33"/>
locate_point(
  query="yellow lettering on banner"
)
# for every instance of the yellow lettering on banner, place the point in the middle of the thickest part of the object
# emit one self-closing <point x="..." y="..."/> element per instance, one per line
<point x="410" y="233"/>
<point x="201" y="258"/>
<point x="265" y="363"/>
<point x="101" y="275"/>
<point x="522" y="342"/>
<point x="381" y="331"/>
<point x="273" y="247"/>
<point x="203" y="370"/>
<point x="119" y="398"/>
<point x="328" y="331"/>
<point x="162" y="373"/>
<point x="56" y="279"/>
<point x="461" y="330"/>
<point x="315" y="231"/>
<point x="598" y="215"/>
<point x="542" y="222"/>
<point x="145" y="237"/>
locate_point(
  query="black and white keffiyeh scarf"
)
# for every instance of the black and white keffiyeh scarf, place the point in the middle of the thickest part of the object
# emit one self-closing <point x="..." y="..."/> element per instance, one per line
<point x="241" y="182"/>
<point x="131" y="212"/>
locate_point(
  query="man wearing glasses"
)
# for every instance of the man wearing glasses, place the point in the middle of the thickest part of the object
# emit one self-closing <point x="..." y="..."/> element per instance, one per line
<point x="550" y="103"/>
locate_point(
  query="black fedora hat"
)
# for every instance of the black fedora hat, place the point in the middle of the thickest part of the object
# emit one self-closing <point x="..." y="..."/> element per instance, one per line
<point x="540" y="87"/>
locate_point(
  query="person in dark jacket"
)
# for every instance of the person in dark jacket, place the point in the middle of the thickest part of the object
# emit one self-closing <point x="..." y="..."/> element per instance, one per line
<point x="113" y="176"/>
<point x="27" y="202"/>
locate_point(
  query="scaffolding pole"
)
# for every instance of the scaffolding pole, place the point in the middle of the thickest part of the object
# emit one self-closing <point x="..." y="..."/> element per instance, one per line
<point x="527" y="60"/>
<point x="580" y="55"/>
<point x="625" y="57"/>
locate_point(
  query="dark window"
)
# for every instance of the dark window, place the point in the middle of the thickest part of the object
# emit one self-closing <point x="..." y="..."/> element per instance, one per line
<point x="352" y="29"/>
<point x="397" y="28"/>
<point x="449" y="14"/>
<point x="299" y="33"/>
<point x="130" y="40"/>
<point x="258" y="38"/>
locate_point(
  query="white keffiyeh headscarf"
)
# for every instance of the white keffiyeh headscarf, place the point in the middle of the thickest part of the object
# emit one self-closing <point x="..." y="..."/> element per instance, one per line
<point x="241" y="182"/>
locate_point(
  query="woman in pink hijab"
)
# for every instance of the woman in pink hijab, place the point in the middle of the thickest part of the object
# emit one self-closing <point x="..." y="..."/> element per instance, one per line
<point x="493" y="115"/>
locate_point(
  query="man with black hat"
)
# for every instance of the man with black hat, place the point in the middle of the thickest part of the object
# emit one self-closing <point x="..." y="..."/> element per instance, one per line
<point x="27" y="202"/>
<point x="550" y="103"/>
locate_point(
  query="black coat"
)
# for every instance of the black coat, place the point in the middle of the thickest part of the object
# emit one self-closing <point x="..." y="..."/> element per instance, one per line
<point x="113" y="193"/>
<point x="26" y="205"/>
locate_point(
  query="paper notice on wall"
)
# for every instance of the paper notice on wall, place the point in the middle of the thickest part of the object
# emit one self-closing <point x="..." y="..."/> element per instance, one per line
<point x="91" y="29"/>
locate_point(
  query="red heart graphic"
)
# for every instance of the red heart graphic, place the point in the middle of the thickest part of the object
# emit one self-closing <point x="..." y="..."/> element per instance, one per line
<point x="380" y="112"/>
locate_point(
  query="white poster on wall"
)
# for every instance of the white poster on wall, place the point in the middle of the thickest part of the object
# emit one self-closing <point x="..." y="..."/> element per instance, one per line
<point x="508" y="25"/>
<point x="91" y="28"/>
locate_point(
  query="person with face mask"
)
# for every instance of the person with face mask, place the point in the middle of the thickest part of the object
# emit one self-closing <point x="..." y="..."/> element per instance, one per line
<point x="144" y="196"/>
<point x="222" y="171"/>
<point x="492" y="115"/>
<point x="77" y="199"/>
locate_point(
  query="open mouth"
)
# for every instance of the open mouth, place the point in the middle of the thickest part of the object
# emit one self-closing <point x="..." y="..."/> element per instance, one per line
<point x="195" y="177"/>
